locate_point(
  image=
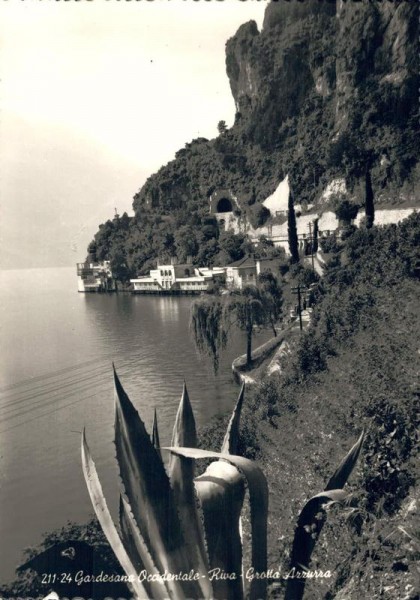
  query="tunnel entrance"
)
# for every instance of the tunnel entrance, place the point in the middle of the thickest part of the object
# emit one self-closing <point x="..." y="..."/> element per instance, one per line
<point x="224" y="205"/>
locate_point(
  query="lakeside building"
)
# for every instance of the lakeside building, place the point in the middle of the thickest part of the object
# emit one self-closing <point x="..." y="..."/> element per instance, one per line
<point x="246" y="270"/>
<point x="186" y="279"/>
<point x="95" y="277"/>
<point x="240" y="273"/>
<point x="178" y="279"/>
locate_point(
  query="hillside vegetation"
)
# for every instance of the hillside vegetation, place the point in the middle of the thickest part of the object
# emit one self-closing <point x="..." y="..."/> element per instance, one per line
<point x="356" y="367"/>
<point x="323" y="91"/>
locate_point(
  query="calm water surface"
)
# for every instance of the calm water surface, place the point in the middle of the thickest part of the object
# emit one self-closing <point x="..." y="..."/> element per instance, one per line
<point x="55" y="378"/>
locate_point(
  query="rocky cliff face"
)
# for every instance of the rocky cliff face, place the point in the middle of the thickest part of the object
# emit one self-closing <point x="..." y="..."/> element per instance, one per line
<point x="323" y="90"/>
<point x="382" y="55"/>
<point x="334" y="86"/>
<point x="279" y="64"/>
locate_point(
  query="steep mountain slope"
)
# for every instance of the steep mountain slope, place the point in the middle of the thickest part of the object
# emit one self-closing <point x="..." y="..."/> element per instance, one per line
<point x="355" y="367"/>
<point x="324" y="89"/>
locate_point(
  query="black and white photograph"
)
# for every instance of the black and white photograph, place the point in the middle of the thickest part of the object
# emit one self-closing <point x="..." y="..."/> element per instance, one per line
<point x="209" y="300"/>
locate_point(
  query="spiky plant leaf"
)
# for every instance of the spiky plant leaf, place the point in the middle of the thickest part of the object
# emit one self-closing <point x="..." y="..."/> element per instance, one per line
<point x="309" y="527"/>
<point x="231" y="439"/>
<point x="139" y="553"/>
<point x="221" y="490"/>
<point x="147" y="487"/>
<point x="104" y="517"/>
<point x="258" y="498"/>
<point x="230" y="445"/>
<point x="184" y="434"/>
<point x="343" y="472"/>
<point x="155" y="434"/>
<point x="181" y="473"/>
<point x="310" y="523"/>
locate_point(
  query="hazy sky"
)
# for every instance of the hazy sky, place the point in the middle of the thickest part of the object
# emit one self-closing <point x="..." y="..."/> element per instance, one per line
<point x="94" y="97"/>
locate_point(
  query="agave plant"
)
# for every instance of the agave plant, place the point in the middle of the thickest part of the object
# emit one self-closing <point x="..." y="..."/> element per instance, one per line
<point x="179" y="535"/>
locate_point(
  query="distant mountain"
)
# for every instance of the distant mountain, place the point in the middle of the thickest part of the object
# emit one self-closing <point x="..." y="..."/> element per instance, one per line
<point x="323" y="91"/>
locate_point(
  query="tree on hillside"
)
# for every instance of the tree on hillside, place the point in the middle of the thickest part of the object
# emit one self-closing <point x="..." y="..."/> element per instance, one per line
<point x="185" y="243"/>
<point x="207" y="253"/>
<point x="118" y="263"/>
<point x="369" y="204"/>
<point x="345" y="211"/>
<point x="258" y="215"/>
<point x="315" y="235"/>
<point x="123" y="222"/>
<point x="265" y="248"/>
<point x="233" y="244"/>
<point x="92" y="249"/>
<point x="292" y="231"/>
<point x="306" y="276"/>
<point x="272" y="296"/>
<point x="212" y="319"/>
<point x="221" y="127"/>
<point x="208" y="230"/>
<point x="104" y="239"/>
<point x="248" y="309"/>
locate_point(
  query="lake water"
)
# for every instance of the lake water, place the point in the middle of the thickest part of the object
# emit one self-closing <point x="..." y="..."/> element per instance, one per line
<point x="55" y="378"/>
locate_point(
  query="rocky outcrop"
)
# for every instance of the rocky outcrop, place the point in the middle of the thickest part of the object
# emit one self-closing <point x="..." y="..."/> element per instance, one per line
<point x="382" y="56"/>
<point x="274" y="71"/>
<point x="323" y="90"/>
<point x="242" y="67"/>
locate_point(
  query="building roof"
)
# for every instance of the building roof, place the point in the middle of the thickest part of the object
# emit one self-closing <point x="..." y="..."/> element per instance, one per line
<point x="243" y="263"/>
<point x="270" y="260"/>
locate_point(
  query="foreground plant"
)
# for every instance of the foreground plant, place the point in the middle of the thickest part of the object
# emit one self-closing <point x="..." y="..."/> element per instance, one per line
<point x="179" y="535"/>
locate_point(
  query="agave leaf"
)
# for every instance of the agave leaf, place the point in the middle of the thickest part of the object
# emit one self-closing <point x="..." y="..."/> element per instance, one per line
<point x="102" y="512"/>
<point x="155" y="434"/>
<point x="341" y="475"/>
<point x="139" y="553"/>
<point x="221" y="490"/>
<point x="309" y="527"/>
<point x="258" y="498"/>
<point x="181" y="474"/>
<point x="146" y="485"/>
<point x="230" y="446"/>
<point x="184" y="432"/>
<point x="310" y="523"/>
<point x="230" y="442"/>
<point x="127" y="538"/>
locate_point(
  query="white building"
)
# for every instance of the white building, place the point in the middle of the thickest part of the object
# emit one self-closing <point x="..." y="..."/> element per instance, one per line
<point x="95" y="277"/>
<point x="245" y="271"/>
<point x="240" y="273"/>
<point x="177" y="279"/>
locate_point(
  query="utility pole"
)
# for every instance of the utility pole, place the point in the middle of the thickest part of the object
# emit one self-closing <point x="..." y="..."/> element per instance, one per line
<point x="296" y="290"/>
<point x="312" y="245"/>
